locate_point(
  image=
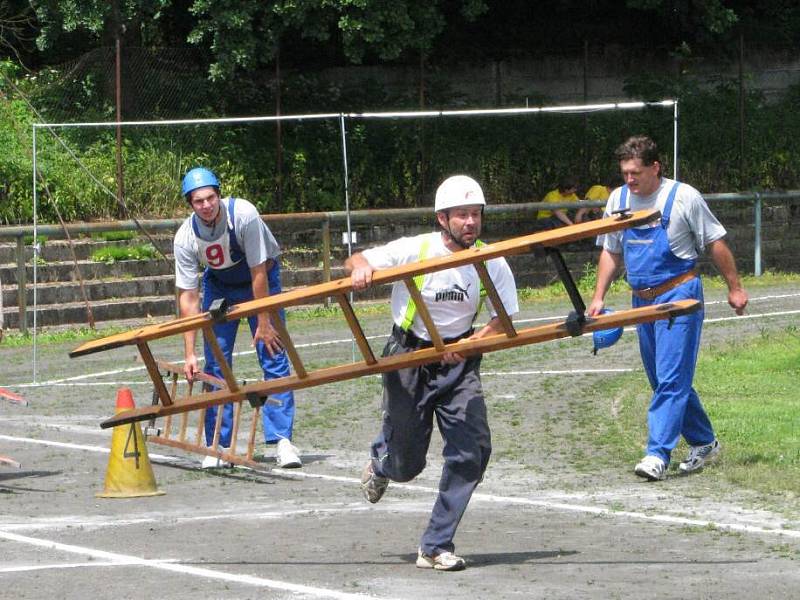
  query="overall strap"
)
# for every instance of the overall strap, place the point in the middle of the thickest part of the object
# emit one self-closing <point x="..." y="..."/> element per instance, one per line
<point x="236" y="250"/>
<point x="623" y="197"/>
<point x="665" y="216"/>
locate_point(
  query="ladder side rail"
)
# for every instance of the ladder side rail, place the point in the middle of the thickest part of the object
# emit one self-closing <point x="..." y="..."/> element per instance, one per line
<point x="424" y="356"/>
<point x="288" y="344"/>
<point x="424" y="314"/>
<point x="356" y="329"/>
<point x="155" y="375"/>
<point x="227" y="372"/>
<point x="517" y="245"/>
<point x="497" y="302"/>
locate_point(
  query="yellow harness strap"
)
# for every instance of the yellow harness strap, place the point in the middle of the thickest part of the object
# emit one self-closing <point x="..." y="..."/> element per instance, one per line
<point x="419" y="281"/>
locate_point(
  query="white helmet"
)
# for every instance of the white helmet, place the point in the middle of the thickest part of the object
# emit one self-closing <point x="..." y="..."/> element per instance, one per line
<point x="458" y="190"/>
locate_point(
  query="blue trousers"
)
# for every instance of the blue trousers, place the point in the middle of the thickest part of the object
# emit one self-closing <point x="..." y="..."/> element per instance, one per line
<point x="669" y="354"/>
<point x="411" y="399"/>
<point x="277" y="420"/>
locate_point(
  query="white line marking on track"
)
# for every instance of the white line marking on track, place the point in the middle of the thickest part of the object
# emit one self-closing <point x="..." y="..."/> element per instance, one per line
<point x="581" y="508"/>
<point x="40" y="442"/>
<point x="25" y="568"/>
<point x="82" y="384"/>
<point x="128" y="560"/>
<point x="90" y="523"/>
<point x="372" y="337"/>
<point x="557" y="372"/>
<point x="548" y="505"/>
<point x="758" y="298"/>
<point x="781" y="313"/>
<point x="707" y="321"/>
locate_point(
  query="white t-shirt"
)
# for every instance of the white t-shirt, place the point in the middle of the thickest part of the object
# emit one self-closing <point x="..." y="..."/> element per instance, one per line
<point x="692" y="225"/>
<point x="252" y="234"/>
<point x="452" y="296"/>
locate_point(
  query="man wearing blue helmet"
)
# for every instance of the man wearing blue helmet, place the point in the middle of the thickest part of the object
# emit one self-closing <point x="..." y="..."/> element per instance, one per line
<point x="660" y="261"/>
<point x="227" y="242"/>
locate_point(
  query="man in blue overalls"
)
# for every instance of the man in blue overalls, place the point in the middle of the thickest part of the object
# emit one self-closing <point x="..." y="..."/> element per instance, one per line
<point x="660" y="260"/>
<point x="226" y="240"/>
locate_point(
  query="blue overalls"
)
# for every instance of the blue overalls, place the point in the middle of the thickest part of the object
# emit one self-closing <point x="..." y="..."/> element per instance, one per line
<point x="668" y="349"/>
<point x="235" y="285"/>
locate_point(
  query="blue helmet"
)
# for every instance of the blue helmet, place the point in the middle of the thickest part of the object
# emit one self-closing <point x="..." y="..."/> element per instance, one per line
<point x="197" y="178"/>
<point x="604" y="338"/>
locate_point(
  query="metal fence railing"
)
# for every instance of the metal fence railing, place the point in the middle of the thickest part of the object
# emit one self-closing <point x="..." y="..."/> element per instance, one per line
<point x="324" y="220"/>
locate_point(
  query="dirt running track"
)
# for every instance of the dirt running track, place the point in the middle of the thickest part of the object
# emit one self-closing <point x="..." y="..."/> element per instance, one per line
<point x="545" y="524"/>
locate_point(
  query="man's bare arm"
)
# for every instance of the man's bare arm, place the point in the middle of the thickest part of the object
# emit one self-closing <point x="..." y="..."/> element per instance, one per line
<point x="722" y="257"/>
<point x="188" y="305"/>
<point x="608" y="266"/>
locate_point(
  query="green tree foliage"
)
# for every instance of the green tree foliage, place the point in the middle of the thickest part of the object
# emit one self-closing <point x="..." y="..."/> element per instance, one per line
<point x="85" y="23"/>
<point x="246" y="35"/>
<point x="236" y="44"/>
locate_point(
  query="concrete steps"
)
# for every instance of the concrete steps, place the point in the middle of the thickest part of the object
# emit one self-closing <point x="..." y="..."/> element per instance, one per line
<point x="136" y="289"/>
<point x="133" y="289"/>
<point x="114" y="309"/>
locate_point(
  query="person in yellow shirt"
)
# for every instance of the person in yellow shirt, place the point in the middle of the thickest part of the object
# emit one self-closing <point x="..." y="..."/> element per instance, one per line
<point x="557" y="217"/>
<point x="597" y="192"/>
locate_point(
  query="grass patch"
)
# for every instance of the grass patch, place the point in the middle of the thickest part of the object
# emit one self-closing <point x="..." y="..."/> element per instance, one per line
<point x="111" y="254"/>
<point x="28" y="240"/>
<point x="751" y="396"/>
<point x="18" y="340"/>
<point x="114" y="236"/>
<point x="750" y="392"/>
<point x="586" y="283"/>
<point x="333" y="311"/>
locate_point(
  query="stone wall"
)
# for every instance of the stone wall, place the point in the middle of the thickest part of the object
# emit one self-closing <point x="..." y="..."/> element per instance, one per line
<point x="560" y="78"/>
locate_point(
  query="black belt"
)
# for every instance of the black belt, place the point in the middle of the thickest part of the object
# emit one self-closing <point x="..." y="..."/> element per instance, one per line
<point x="409" y="340"/>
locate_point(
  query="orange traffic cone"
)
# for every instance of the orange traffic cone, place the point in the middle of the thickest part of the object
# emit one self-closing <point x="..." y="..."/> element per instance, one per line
<point x="129" y="472"/>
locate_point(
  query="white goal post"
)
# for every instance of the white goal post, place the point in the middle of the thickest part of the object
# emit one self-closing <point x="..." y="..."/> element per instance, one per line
<point x="342" y="119"/>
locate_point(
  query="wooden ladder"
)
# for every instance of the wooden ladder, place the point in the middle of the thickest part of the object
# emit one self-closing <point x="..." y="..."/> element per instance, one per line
<point x="575" y="324"/>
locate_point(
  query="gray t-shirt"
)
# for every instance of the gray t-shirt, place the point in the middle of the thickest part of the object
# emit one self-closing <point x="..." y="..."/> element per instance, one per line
<point x="252" y="234"/>
<point x="692" y="225"/>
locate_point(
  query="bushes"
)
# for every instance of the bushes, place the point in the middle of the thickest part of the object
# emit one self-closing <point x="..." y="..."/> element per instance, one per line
<point x="110" y="254"/>
<point x="392" y="163"/>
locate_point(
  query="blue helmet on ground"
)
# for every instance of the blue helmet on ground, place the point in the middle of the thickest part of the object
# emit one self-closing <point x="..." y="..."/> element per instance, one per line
<point x="197" y="178"/>
<point x="604" y="338"/>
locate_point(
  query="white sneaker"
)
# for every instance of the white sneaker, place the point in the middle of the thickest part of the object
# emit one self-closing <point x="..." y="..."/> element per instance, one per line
<point x="444" y="561"/>
<point x="214" y="462"/>
<point x="287" y="457"/>
<point x="698" y="456"/>
<point x="652" y="468"/>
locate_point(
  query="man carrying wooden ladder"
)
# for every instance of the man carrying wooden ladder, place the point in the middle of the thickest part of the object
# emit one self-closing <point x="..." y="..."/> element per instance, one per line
<point x="440" y="306"/>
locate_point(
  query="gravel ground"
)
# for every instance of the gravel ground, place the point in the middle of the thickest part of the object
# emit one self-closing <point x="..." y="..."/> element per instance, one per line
<point x="542" y="525"/>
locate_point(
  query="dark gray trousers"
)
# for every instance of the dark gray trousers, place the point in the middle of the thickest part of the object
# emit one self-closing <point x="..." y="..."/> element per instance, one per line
<point x="411" y="398"/>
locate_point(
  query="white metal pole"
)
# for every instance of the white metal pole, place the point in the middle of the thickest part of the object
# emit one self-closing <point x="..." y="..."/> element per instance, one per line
<point x="757" y="240"/>
<point x="35" y="253"/>
<point x="346" y="184"/>
<point x="675" y="140"/>
<point x="343" y="128"/>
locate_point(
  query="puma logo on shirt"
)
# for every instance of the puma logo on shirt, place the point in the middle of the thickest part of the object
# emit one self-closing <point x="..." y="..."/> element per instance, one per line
<point x="454" y="294"/>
